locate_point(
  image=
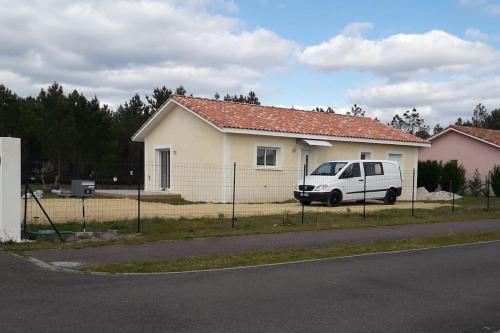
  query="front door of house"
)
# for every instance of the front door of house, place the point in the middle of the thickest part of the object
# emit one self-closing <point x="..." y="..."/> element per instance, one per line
<point x="164" y="169"/>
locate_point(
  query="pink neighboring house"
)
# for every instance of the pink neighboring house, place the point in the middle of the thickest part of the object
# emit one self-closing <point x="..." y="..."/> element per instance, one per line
<point x="472" y="147"/>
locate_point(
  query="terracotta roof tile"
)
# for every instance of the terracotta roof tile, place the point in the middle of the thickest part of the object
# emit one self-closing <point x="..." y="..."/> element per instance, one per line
<point x="267" y="118"/>
<point x="492" y="136"/>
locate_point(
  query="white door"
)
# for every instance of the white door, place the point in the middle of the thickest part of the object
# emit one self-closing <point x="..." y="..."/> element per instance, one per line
<point x="164" y="169"/>
<point x="375" y="182"/>
<point x="352" y="182"/>
<point x="396" y="158"/>
<point x="399" y="159"/>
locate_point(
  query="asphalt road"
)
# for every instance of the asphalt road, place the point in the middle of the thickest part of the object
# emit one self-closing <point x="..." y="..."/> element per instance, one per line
<point x="165" y="250"/>
<point x="455" y="289"/>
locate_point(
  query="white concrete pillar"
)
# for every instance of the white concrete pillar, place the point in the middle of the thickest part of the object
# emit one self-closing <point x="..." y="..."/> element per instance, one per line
<point x="10" y="189"/>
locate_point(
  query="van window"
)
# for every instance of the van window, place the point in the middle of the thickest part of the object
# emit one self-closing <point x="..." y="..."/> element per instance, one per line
<point x="352" y="171"/>
<point x="329" y="169"/>
<point x="373" y="168"/>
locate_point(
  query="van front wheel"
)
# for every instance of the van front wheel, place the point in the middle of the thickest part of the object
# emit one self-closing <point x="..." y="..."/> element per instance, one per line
<point x="390" y="197"/>
<point x="334" y="199"/>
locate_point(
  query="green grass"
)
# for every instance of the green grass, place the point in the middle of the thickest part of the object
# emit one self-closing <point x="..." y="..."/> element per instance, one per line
<point x="280" y="256"/>
<point x="166" y="229"/>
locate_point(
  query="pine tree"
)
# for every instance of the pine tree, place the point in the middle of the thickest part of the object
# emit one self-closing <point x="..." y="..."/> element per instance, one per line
<point x="58" y="139"/>
<point x="160" y="96"/>
<point x="480" y="115"/>
<point x="128" y="118"/>
<point x="180" y="91"/>
<point x="475" y="185"/>
<point x="493" y="120"/>
<point x="411" y="122"/>
<point x="356" y="111"/>
<point x="437" y="129"/>
<point x="250" y="99"/>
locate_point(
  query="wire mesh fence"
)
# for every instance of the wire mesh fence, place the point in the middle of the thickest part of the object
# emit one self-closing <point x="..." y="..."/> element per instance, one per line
<point x="232" y="193"/>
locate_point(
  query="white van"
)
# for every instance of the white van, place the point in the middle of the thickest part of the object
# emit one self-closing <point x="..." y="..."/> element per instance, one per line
<point x="336" y="181"/>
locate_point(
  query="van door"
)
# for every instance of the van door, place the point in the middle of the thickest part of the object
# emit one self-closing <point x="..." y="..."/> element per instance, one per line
<point x="351" y="182"/>
<point x="376" y="184"/>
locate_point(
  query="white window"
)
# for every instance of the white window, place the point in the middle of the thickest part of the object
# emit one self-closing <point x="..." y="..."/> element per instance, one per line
<point x="366" y="156"/>
<point x="267" y="156"/>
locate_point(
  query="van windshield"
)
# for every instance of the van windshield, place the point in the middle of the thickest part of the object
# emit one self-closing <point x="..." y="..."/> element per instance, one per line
<point x="329" y="169"/>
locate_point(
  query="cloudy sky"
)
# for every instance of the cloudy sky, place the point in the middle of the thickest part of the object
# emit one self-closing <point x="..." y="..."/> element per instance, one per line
<point x="442" y="57"/>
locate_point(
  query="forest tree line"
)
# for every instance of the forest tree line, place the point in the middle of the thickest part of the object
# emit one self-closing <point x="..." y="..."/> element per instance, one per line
<point x="67" y="135"/>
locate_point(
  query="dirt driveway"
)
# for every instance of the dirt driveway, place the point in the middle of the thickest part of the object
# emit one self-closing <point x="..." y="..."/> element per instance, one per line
<point x="104" y="209"/>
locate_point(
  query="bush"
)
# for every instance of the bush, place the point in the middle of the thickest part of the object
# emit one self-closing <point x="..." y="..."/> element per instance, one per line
<point x="475" y="185"/>
<point x="453" y="174"/>
<point x="495" y="180"/>
<point x="429" y="174"/>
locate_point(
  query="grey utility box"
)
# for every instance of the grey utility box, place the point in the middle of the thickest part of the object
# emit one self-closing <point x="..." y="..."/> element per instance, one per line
<point x="83" y="188"/>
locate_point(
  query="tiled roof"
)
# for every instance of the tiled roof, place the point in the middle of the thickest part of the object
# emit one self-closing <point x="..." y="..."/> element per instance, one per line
<point x="492" y="136"/>
<point x="274" y="119"/>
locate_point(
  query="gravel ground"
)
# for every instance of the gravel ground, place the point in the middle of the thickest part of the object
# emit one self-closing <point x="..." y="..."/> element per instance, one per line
<point x="102" y="210"/>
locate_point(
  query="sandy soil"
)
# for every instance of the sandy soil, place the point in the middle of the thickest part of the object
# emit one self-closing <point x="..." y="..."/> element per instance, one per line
<point x="102" y="210"/>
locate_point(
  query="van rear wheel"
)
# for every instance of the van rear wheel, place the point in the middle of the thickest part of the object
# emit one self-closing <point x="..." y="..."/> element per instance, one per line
<point x="390" y="197"/>
<point x="334" y="199"/>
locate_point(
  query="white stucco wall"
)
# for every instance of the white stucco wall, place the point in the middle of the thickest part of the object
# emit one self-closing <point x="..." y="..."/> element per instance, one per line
<point x="196" y="156"/>
<point x="10" y="189"/>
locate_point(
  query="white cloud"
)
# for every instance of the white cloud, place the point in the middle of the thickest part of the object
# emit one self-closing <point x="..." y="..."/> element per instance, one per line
<point x="401" y="54"/>
<point x="356" y="29"/>
<point x="476" y="34"/>
<point x="133" y="46"/>
<point x="493" y="9"/>
<point x="442" y="101"/>
<point x="440" y="74"/>
<point x="484" y="6"/>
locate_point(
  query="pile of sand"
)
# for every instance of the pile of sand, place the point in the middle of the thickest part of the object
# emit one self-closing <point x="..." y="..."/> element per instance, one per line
<point x="424" y="195"/>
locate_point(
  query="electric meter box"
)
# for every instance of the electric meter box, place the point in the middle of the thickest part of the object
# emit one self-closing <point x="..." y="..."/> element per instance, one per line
<point x="83" y="188"/>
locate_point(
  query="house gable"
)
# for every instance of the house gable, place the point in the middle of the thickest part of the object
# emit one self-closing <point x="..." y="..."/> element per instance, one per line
<point x="189" y="138"/>
<point x="471" y="153"/>
<point x="160" y="115"/>
<point x="487" y="136"/>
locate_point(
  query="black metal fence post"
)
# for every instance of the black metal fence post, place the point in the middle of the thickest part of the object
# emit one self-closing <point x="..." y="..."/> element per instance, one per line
<point x="413" y="195"/>
<point x="303" y="193"/>
<point x="488" y="179"/>
<point x="452" y="196"/>
<point x="25" y="219"/>
<point x="138" y="206"/>
<point x="233" y="218"/>
<point x="45" y="213"/>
